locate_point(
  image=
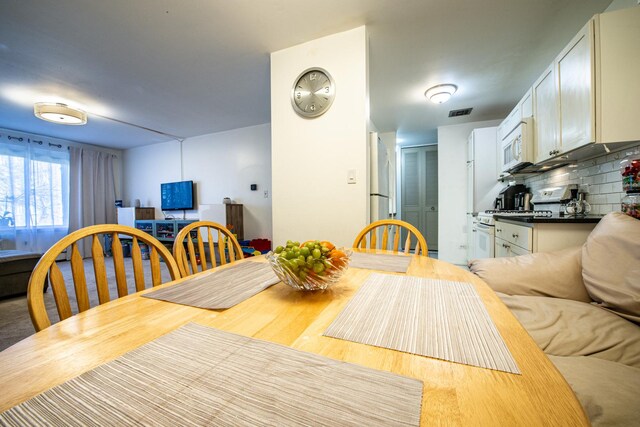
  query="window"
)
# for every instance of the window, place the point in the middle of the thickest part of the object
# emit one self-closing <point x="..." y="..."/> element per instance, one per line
<point x="34" y="185"/>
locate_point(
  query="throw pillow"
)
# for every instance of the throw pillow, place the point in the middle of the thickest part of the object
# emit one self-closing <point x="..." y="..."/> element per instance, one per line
<point x="552" y="274"/>
<point x="611" y="265"/>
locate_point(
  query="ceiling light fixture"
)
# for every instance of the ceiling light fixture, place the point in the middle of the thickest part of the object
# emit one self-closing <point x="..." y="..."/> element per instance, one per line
<point x="440" y="93"/>
<point x="59" y="113"/>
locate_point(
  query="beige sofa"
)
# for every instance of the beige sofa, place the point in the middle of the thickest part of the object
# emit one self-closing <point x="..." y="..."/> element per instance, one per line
<point x="582" y="307"/>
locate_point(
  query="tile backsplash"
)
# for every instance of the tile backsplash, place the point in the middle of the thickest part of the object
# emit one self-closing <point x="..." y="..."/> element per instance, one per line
<point x="599" y="178"/>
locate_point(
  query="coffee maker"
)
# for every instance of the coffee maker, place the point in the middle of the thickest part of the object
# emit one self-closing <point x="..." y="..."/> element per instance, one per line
<point x="506" y="200"/>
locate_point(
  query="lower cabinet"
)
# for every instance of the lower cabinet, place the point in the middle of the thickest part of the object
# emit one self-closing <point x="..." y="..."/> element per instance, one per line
<point x="514" y="238"/>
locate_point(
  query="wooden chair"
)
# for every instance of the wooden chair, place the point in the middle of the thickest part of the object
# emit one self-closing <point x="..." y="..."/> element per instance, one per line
<point x="189" y="257"/>
<point x="394" y="227"/>
<point x="48" y="266"/>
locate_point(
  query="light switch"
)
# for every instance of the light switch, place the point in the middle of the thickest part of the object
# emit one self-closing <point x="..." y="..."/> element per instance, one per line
<point x="351" y="176"/>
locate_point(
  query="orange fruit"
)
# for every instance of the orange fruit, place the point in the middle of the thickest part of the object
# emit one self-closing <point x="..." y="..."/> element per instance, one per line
<point x="329" y="245"/>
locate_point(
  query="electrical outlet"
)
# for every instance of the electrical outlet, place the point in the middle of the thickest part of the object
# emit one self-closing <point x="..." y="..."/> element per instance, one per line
<point x="266" y="194"/>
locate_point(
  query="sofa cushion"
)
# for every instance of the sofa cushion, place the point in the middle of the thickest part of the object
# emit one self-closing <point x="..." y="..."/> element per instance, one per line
<point x="13" y="261"/>
<point x="571" y="328"/>
<point x="611" y="265"/>
<point x="608" y="391"/>
<point x="555" y="274"/>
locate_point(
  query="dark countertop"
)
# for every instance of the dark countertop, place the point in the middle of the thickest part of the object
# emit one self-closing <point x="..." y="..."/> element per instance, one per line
<point x="567" y="219"/>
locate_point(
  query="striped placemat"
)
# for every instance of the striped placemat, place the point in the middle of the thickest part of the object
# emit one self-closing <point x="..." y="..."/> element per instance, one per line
<point x="385" y="262"/>
<point x="220" y="289"/>
<point x="198" y="375"/>
<point x="436" y="318"/>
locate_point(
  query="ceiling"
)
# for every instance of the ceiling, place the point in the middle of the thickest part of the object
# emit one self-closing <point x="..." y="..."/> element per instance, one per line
<point x="188" y="68"/>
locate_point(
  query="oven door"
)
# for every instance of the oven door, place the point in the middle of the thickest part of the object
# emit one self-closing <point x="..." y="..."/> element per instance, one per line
<point x="484" y="236"/>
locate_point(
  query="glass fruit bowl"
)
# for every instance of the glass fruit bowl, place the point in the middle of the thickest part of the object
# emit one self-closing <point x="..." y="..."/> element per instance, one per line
<point x="303" y="277"/>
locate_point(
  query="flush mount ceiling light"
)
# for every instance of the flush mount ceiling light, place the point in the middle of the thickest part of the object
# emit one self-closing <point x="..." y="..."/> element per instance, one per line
<point x="440" y="93"/>
<point x="59" y="113"/>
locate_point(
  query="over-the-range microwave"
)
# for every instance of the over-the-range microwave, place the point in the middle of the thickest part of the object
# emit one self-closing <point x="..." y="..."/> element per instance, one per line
<point x="517" y="147"/>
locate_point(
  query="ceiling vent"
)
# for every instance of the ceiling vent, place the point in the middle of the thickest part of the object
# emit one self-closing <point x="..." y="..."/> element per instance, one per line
<point x="458" y="113"/>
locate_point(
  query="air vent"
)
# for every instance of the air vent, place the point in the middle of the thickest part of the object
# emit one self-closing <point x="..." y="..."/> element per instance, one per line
<point x="458" y="113"/>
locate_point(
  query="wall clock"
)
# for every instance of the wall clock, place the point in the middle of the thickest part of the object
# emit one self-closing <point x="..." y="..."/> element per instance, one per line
<point x="313" y="92"/>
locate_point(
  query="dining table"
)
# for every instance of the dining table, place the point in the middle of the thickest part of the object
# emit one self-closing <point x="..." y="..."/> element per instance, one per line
<point x="452" y="393"/>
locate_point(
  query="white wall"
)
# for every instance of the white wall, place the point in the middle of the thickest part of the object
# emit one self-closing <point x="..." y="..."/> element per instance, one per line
<point x="452" y="190"/>
<point x="145" y="168"/>
<point x="225" y="164"/>
<point x="222" y="164"/>
<point x="311" y="157"/>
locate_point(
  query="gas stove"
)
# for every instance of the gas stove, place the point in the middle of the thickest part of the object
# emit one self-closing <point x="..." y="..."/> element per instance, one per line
<point x="486" y="217"/>
<point x="538" y="213"/>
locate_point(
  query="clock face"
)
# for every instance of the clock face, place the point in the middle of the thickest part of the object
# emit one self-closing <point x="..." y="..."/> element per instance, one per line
<point x="312" y="92"/>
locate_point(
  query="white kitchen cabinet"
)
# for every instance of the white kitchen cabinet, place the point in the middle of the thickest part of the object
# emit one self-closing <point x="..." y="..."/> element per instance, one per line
<point x="545" y="113"/>
<point x="518" y="238"/>
<point x="574" y="66"/>
<point x="506" y="249"/>
<point x="590" y="94"/>
<point x="526" y="105"/>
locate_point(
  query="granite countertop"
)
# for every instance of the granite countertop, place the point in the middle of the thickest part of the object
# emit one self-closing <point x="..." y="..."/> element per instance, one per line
<point x="567" y="219"/>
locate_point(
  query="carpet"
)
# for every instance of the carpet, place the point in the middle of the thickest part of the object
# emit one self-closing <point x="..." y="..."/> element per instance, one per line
<point x="15" y="323"/>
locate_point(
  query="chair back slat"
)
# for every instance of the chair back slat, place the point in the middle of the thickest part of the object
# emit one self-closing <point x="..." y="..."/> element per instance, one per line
<point x="407" y="243"/>
<point x="385" y="237"/>
<point x="154" y="260"/>
<point x="231" y="251"/>
<point x="227" y="247"/>
<point x="221" y="251"/>
<point x="118" y="266"/>
<point x="212" y="250"/>
<point x="59" y="292"/>
<point x="136" y="260"/>
<point x="79" y="279"/>
<point x="192" y="255"/>
<point x="417" y="246"/>
<point x="100" y="270"/>
<point x="396" y="227"/>
<point x="201" y="252"/>
<point x="396" y="238"/>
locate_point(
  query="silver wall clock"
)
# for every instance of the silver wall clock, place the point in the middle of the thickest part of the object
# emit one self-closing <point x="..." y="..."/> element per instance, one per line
<point x="313" y="92"/>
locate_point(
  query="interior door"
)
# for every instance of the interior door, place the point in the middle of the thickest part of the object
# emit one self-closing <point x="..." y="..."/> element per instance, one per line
<point x="419" y="188"/>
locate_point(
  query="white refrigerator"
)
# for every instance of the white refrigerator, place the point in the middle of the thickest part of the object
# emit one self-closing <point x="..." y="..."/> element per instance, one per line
<point x="379" y="179"/>
<point x="482" y="184"/>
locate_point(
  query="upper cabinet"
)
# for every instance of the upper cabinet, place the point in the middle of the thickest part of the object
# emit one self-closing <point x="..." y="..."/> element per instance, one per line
<point x="545" y="113"/>
<point x="590" y="94"/>
<point x="575" y="66"/>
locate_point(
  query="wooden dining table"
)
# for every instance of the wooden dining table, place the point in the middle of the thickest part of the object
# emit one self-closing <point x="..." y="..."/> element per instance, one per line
<point x="453" y="393"/>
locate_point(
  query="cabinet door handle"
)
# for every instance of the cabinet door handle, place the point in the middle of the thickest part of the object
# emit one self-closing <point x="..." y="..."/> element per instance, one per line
<point x="551" y="153"/>
<point x="475" y="231"/>
<point x="499" y="230"/>
<point x="514" y="235"/>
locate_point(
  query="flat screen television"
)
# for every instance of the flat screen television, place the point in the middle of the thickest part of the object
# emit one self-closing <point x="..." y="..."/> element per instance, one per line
<point x="177" y="195"/>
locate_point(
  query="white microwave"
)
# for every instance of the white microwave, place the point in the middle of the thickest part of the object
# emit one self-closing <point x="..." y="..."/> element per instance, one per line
<point x="517" y="147"/>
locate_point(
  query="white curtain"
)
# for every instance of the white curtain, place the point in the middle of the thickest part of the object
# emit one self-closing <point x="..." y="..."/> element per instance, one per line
<point x="34" y="193"/>
<point x="92" y="191"/>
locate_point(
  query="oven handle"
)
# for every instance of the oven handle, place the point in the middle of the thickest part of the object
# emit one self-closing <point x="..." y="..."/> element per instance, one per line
<point x="483" y="227"/>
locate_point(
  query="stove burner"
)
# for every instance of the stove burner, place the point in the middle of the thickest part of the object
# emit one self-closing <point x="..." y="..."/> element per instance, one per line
<point x="539" y="213"/>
